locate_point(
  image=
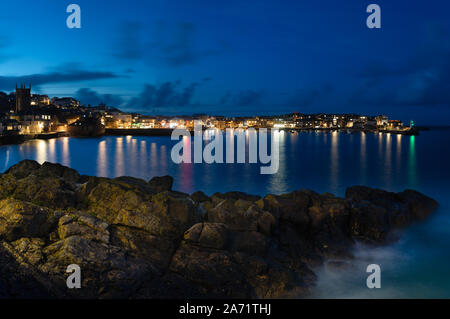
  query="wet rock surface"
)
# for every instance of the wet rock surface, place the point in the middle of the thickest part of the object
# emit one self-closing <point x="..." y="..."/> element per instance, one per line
<point x="139" y="239"/>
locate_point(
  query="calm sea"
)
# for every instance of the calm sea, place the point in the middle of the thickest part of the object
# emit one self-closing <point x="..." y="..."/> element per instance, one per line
<point x="418" y="266"/>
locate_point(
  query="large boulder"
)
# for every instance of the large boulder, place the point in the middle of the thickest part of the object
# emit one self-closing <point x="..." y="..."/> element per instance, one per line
<point x="242" y="268"/>
<point x="166" y="214"/>
<point x="142" y="245"/>
<point x="87" y="226"/>
<point x="199" y="197"/>
<point x="20" y="219"/>
<point x="418" y="205"/>
<point x="107" y="271"/>
<point x="208" y="235"/>
<point x="401" y="208"/>
<point x="161" y="183"/>
<point x="237" y="215"/>
<point x="49" y="185"/>
<point x="106" y="198"/>
<point x="291" y="207"/>
<point x="23" y="168"/>
<point x="213" y="272"/>
<point x="137" y="183"/>
<point x="69" y="175"/>
<point x="46" y="190"/>
<point x="174" y="213"/>
<point x="368" y="222"/>
<point x="8" y="184"/>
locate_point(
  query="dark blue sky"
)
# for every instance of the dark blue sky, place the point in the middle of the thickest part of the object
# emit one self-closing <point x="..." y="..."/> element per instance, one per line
<point x="234" y="57"/>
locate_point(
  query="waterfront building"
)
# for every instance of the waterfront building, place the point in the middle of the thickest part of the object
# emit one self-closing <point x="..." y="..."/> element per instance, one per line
<point x="251" y="122"/>
<point x="10" y="127"/>
<point x="71" y="118"/>
<point x="176" y="122"/>
<point x="39" y="100"/>
<point x="189" y="122"/>
<point x="87" y="126"/>
<point x="266" y="122"/>
<point x="221" y="124"/>
<point x="118" y="120"/>
<point x="144" y="121"/>
<point x="279" y="123"/>
<point x="66" y="102"/>
<point x="395" y="125"/>
<point x="36" y="122"/>
<point x="382" y="120"/>
<point x="358" y="125"/>
<point x="371" y="123"/>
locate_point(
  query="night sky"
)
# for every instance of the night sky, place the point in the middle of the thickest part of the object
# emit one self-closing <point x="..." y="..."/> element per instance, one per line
<point x="234" y="57"/>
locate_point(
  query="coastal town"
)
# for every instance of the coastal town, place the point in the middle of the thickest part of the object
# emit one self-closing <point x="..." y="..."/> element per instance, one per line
<point x="25" y="115"/>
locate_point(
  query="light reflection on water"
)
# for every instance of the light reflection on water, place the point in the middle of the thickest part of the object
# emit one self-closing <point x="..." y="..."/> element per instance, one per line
<point x="65" y="151"/>
<point x="412" y="168"/>
<point x="324" y="161"/>
<point x="102" y="163"/>
<point x="334" y="159"/>
<point x="363" y="158"/>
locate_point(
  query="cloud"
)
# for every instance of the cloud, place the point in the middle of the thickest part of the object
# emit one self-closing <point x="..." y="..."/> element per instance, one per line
<point x="225" y="98"/>
<point x="262" y="99"/>
<point x="172" y="44"/>
<point x="129" y="45"/>
<point x="165" y="95"/>
<point x="308" y="97"/>
<point x="303" y="98"/>
<point x="88" y="96"/>
<point x="242" y="98"/>
<point x="423" y="79"/>
<point x="63" y="74"/>
<point x="248" y="98"/>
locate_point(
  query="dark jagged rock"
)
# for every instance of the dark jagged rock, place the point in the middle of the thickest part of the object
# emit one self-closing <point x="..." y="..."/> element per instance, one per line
<point x="23" y="169"/>
<point x="140" y="184"/>
<point x="161" y="183"/>
<point x="21" y="219"/>
<point x="67" y="174"/>
<point x="199" y="197"/>
<point x="138" y="239"/>
<point x="375" y="212"/>
<point x="236" y="196"/>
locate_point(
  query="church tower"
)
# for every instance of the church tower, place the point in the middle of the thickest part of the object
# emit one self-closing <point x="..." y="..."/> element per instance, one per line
<point x="23" y="98"/>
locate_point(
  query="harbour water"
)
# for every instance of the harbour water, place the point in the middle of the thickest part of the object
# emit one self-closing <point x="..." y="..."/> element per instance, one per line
<point x="418" y="266"/>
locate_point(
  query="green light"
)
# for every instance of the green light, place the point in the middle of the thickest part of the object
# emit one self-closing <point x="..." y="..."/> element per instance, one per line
<point x="412" y="165"/>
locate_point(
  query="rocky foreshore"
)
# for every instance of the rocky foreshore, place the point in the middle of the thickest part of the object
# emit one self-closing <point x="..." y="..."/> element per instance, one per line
<point x="138" y="239"/>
